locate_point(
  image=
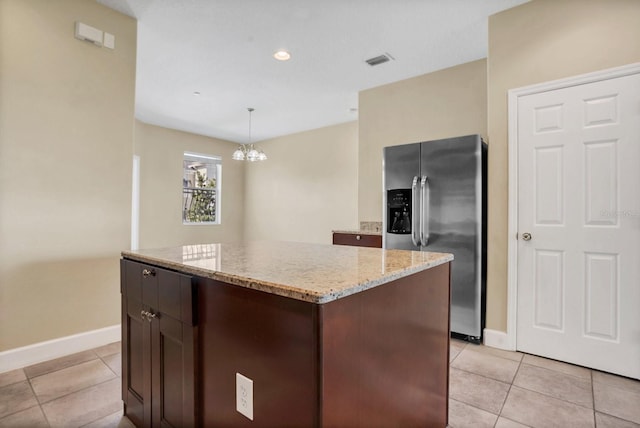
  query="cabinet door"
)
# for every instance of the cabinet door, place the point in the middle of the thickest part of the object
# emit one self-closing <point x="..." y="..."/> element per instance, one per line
<point x="173" y="387"/>
<point x="136" y="348"/>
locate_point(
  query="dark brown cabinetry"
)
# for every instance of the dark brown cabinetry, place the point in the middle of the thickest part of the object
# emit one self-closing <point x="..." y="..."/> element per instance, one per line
<point x="379" y="357"/>
<point x="158" y="337"/>
<point x="357" y="239"/>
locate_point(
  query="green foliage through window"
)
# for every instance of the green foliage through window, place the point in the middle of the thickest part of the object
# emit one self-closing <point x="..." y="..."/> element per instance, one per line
<point x="200" y="190"/>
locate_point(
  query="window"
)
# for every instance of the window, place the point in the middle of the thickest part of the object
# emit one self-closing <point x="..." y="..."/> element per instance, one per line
<point x="201" y="189"/>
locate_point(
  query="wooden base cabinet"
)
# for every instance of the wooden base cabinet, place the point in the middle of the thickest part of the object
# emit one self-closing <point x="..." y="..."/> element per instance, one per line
<point x="379" y="357"/>
<point x="159" y="328"/>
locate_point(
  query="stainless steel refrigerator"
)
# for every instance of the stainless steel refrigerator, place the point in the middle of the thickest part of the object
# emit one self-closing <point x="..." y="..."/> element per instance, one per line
<point x="435" y="200"/>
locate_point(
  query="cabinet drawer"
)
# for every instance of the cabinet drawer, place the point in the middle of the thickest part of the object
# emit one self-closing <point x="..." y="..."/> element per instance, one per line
<point x="357" y="239"/>
<point x="162" y="290"/>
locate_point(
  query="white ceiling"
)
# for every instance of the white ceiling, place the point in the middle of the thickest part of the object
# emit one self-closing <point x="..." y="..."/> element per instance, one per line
<point x="223" y="49"/>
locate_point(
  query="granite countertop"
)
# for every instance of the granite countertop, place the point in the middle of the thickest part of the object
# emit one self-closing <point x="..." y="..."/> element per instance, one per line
<point x="358" y="232"/>
<point x="315" y="273"/>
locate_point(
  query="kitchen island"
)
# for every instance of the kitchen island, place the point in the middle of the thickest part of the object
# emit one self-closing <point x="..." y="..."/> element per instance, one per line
<point x="285" y="334"/>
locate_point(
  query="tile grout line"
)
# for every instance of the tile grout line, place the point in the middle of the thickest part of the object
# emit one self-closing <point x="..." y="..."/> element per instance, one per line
<point x="40" y="404"/>
<point x="108" y="366"/>
<point x="506" y="397"/>
<point x="475" y="407"/>
<point x="609" y="385"/>
<point x="121" y="412"/>
<point x="24" y="410"/>
<point x="486" y="377"/>
<point x="74" y="392"/>
<point x="593" y="398"/>
<point x="489" y="354"/>
<point x="554" y="397"/>
<point x="511" y="384"/>
<point x="520" y="363"/>
<point x="65" y="368"/>
<point x="457" y="355"/>
<point x="33" y="391"/>
<point x="95" y="357"/>
<point x="481" y="375"/>
<point x="79" y="390"/>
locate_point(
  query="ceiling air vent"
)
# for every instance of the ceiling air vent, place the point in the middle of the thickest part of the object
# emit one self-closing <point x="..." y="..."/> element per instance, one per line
<point x="379" y="59"/>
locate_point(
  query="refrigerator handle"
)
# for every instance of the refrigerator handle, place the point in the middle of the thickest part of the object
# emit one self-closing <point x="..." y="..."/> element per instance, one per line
<point x="415" y="213"/>
<point x="424" y="210"/>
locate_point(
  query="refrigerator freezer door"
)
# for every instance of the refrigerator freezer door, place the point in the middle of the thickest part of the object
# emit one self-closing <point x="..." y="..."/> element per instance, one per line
<point x="401" y="164"/>
<point x="454" y="170"/>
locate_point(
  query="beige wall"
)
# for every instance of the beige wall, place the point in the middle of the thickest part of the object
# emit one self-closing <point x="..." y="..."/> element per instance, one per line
<point x="306" y="188"/>
<point x="66" y="141"/>
<point x="446" y="103"/>
<point x="540" y="41"/>
<point x="67" y="136"/>
<point x="161" y="152"/>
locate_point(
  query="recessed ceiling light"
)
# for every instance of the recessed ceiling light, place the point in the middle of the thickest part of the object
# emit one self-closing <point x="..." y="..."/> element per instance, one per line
<point x="282" y="55"/>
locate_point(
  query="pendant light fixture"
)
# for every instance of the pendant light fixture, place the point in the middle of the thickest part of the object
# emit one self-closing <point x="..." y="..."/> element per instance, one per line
<point x="247" y="151"/>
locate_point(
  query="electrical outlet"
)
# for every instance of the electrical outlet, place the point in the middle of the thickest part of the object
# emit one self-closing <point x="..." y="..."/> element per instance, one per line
<point x="244" y="395"/>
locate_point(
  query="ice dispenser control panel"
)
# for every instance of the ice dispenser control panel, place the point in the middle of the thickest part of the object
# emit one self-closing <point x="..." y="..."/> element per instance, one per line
<point x="399" y="211"/>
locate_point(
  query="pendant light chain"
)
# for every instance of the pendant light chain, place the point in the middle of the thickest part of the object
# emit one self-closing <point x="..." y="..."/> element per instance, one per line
<point x="250" y="141"/>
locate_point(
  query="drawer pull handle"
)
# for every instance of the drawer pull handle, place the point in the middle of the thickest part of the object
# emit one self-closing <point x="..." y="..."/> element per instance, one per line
<point x="149" y="316"/>
<point x="146" y="273"/>
<point x="358" y="237"/>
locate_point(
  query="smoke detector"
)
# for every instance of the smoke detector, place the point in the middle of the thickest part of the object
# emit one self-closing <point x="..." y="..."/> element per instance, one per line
<point x="380" y="59"/>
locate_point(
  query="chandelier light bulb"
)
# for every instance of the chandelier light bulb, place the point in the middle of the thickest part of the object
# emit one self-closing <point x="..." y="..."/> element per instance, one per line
<point x="253" y="155"/>
<point x="238" y="154"/>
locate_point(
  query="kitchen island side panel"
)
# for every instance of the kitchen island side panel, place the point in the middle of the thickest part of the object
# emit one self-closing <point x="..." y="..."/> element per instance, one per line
<point x="270" y="339"/>
<point x="385" y="354"/>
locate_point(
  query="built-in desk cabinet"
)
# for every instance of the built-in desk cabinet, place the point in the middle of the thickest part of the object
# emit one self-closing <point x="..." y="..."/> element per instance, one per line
<point x="158" y="336"/>
<point x="357" y="239"/>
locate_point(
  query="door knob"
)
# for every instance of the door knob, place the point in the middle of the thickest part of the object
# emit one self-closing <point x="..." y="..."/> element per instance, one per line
<point x="526" y="236"/>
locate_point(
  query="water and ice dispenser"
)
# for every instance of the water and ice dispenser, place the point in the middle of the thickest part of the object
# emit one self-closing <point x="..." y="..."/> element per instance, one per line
<point x="399" y="211"/>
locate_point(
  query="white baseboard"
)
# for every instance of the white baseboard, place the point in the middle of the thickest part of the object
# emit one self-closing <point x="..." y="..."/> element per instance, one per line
<point x="44" y="351"/>
<point x="498" y="339"/>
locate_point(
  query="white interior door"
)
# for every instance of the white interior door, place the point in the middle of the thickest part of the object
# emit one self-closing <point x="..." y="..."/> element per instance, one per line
<point x="579" y="199"/>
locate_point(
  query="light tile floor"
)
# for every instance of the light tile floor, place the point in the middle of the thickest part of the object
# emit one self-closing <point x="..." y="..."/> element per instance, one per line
<point x="488" y="388"/>
<point x="79" y="390"/>
<point x="493" y="388"/>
